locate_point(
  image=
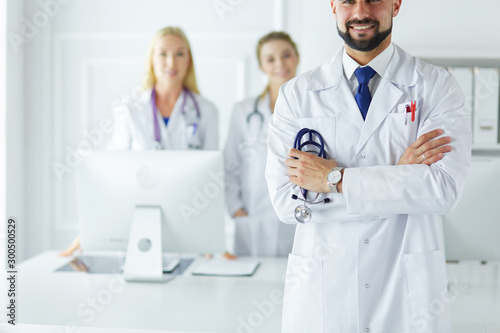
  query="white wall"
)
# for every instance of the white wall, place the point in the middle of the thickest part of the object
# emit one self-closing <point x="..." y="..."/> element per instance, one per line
<point x="447" y="28"/>
<point x="14" y="133"/>
<point x="3" y="144"/>
<point x="89" y="52"/>
<point x="313" y="25"/>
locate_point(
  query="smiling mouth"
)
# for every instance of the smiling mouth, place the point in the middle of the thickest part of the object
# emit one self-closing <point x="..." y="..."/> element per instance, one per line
<point x="362" y="27"/>
<point x="170" y="72"/>
<point x="281" y="73"/>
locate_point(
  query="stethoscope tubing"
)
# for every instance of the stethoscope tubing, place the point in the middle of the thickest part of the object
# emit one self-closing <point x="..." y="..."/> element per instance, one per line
<point x="299" y="145"/>
<point x="187" y="93"/>
<point x="256" y="112"/>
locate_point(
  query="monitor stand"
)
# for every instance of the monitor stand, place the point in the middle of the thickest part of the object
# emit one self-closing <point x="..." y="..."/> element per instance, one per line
<point x="143" y="261"/>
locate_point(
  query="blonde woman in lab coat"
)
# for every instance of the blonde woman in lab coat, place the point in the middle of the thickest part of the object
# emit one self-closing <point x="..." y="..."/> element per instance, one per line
<point x="169" y="112"/>
<point x="258" y="231"/>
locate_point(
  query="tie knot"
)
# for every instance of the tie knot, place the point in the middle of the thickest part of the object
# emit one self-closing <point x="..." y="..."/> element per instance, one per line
<point x="364" y="74"/>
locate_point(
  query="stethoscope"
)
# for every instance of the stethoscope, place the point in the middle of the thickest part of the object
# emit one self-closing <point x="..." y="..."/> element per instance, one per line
<point x="255" y="113"/>
<point x="192" y="124"/>
<point x="303" y="213"/>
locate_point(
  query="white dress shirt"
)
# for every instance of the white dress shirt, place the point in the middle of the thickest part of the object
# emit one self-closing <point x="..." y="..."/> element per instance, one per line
<point x="379" y="64"/>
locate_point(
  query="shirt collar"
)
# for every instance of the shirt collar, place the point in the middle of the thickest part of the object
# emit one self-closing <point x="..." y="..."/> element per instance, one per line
<point x="379" y="64"/>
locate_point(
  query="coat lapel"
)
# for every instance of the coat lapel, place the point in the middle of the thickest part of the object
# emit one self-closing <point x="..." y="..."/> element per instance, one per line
<point x="400" y="73"/>
<point x="330" y="79"/>
<point x="384" y="100"/>
<point x="342" y="101"/>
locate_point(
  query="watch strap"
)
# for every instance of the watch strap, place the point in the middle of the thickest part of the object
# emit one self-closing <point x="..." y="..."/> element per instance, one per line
<point x="333" y="186"/>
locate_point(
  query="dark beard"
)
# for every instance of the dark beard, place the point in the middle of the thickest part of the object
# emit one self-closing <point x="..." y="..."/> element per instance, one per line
<point x="364" y="45"/>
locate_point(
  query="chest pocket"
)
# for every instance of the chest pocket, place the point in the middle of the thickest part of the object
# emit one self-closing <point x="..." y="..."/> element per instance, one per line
<point x="402" y="130"/>
<point x="326" y="127"/>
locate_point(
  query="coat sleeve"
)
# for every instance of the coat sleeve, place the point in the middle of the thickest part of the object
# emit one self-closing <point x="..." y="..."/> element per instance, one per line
<point x="210" y="131"/>
<point x="232" y="164"/>
<point x="419" y="189"/>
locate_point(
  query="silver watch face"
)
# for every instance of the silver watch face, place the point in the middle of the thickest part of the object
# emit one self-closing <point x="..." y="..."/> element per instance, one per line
<point x="334" y="176"/>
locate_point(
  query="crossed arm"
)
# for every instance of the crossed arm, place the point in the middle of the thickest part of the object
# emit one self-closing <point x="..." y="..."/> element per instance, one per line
<point x="310" y="171"/>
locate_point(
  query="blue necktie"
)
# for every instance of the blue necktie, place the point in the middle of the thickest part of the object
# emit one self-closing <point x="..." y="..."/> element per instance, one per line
<point x="363" y="97"/>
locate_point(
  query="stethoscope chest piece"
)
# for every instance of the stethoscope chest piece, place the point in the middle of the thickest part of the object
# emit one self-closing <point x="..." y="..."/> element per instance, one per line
<point x="303" y="214"/>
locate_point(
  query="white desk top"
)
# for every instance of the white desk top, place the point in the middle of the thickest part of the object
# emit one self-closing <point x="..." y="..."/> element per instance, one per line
<point x="6" y="328"/>
<point x="188" y="303"/>
<point x="102" y="303"/>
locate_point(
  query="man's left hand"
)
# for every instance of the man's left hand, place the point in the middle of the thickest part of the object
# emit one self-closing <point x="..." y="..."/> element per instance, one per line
<point x="309" y="171"/>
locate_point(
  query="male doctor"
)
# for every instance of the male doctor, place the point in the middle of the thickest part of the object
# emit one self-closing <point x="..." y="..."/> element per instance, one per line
<point x="398" y="145"/>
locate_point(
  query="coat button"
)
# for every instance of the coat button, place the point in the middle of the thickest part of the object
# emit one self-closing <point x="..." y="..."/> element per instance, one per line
<point x="368" y="329"/>
<point x="367" y="285"/>
<point x="363" y="156"/>
<point x="367" y="241"/>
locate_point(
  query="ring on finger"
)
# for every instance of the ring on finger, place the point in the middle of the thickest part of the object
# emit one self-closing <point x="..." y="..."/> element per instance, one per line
<point x="423" y="155"/>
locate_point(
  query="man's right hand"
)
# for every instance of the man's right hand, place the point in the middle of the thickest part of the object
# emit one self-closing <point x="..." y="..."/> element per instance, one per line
<point x="427" y="150"/>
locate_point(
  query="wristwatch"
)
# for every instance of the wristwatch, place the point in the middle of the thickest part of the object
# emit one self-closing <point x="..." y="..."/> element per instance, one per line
<point x="333" y="178"/>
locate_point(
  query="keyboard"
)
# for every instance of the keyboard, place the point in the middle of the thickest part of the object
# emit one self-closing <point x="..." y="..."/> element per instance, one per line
<point x="169" y="264"/>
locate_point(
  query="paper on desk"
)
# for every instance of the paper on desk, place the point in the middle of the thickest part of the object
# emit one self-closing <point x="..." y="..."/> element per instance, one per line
<point x="224" y="267"/>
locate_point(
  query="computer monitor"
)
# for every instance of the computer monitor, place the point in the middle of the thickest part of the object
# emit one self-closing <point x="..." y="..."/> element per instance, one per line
<point x="471" y="231"/>
<point x="187" y="185"/>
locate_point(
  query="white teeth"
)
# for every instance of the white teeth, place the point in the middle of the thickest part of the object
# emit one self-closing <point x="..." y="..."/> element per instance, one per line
<point x="362" y="28"/>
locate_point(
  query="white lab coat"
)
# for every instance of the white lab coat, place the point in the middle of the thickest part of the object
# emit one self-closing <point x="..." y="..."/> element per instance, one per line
<point x="134" y="127"/>
<point x="260" y="233"/>
<point x="372" y="260"/>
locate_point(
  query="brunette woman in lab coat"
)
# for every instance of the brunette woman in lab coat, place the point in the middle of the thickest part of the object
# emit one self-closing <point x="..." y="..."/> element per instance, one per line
<point x="258" y="231"/>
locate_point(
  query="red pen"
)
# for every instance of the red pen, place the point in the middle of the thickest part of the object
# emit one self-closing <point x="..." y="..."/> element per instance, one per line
<point x="413" y="110"/>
